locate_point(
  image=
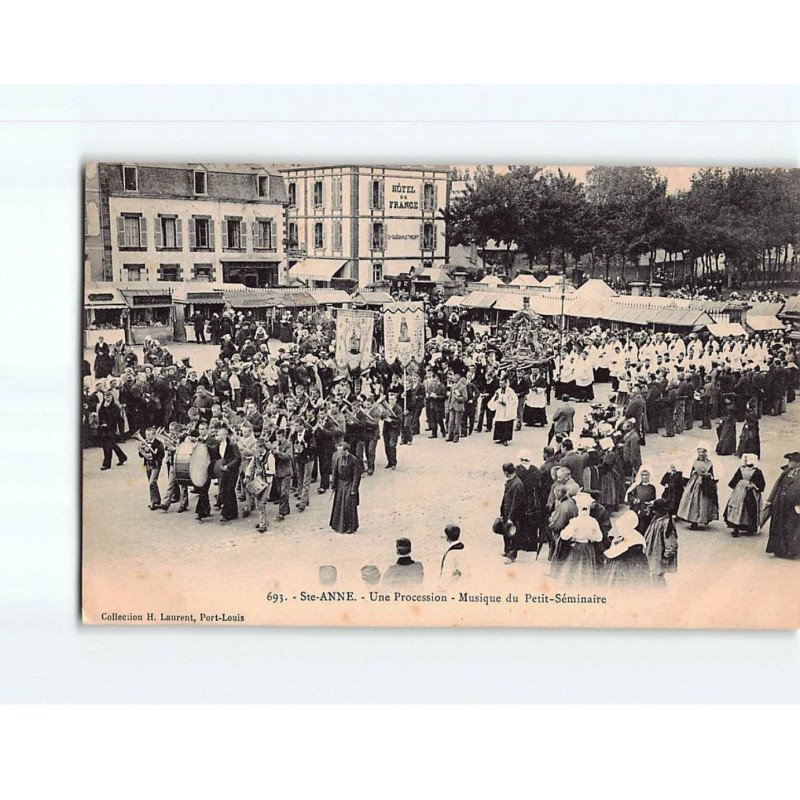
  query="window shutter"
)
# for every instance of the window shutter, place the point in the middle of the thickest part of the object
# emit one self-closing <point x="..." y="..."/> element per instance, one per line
<point x="211" y="244"/>
<point x="192" y="234"/>
<point x="435" y="197"/>
<point x="120" y="231"/>
<point x="158" y="233"/>
<point x="179" y="234"/>
<point x="224" y="233"/>
<point x="433" y="238"/>
<point x="380" y="195"/>
<point x="243" y="235"/>
<point x="143" y="233"/>
<point x="273" y="239"/>
<point x="422" y="236"/>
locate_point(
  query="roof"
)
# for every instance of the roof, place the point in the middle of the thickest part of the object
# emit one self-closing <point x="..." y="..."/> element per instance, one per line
<point x="454" y="300"/>
<point x="763" y="322"/>
<point x="726" y="329"/>
<point x="371" y="298"/>
<point x="103" y="297"/>
<point x="507" y="301"/>
<point x="680" y="317"/>
<point x="269" y="298"/>
<point x="320" y="269"/>
<point x="551" y="280"/>
<point x="525" y="280"/>
<point x="433" y="275"/>
<point x="480" y="300"/>
<point x="490" y="280"/>
<point x="596" y="288"/>
<point x="324" y="296"/>
<point x="792" y="305"/>
<point x="765" y="309"/>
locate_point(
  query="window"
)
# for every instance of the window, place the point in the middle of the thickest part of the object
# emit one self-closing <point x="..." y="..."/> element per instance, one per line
<point x="376" y="195"/>
<point x="132" y="272"/>
<point x="319" y="241"/>
<point x="201" y="234"/>
<point x="233" y="234"/>
<point x="292" y="194"/>
<point x="264" y="235"/>
<point x="336" y="236"/>
<point x="377" y="272"/>
<point x="377" y="236"/>
<point x="336" y="192"/>
<point x="263" y="185"/>
<point x="169" y="272"/>
<point x="292" y="235"/>
<point x="168" y="233"/>
<point x="132" y="232"/>
<point x="317" y="194"/>
<point x="130" y="179"/>
<point x="429" y="197"/>
<point x="200" y="181"/>
<point x="203" y="272"/>
<point x="428" y="236"/>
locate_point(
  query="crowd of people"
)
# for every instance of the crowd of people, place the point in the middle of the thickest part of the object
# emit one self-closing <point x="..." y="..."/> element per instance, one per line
<point x="273" y="424"/>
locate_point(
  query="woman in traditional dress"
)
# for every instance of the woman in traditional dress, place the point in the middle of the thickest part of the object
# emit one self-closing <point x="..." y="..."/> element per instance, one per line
<point x="750" y="438"/>
<point x="627" y="565"/>
<point x="591" y="471"/>
<point x="726" y="432"/>
<point x="640" y="497"/>
<point x="661" y="544"/>
<point x="610" y="477"/>
<point x="672" y="481"/>
<point x="743" y="510"/>
<point x="118" y="354"/>
<point x="103" y="362"/>
<point x="577" y="546"/>
<point x="699" y="504"/>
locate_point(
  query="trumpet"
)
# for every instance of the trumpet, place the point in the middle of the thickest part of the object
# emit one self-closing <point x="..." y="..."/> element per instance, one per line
<point x="145" y="450"/>
<point x="168" y="441"/>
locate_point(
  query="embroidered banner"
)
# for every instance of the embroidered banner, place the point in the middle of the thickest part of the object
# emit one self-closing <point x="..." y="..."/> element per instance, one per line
<point x="354" y="338"/>
<point x="404" y="332"/>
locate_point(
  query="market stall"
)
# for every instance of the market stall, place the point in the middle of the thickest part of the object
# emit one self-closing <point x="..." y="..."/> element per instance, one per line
<point x="151" y="314"/>
<point x="105" y="314"/>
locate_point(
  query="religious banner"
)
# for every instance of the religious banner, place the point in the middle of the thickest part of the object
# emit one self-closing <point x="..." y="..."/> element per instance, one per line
<point x="354" y="338"/>
<point x="404" y="332"/>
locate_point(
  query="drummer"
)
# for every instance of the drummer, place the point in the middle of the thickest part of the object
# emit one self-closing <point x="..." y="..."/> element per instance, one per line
<point x="203" y="506"/>
<point x="175" y="491"/>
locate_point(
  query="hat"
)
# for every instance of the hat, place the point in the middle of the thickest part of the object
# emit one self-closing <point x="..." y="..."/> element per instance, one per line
<point x="583" y="500"/>
<point x="793" y="456"/>
<point x="524" y="455"/>
<point x="502" y="528"/>
<point x="750" y="458"/>
<point x="626" y="535"/>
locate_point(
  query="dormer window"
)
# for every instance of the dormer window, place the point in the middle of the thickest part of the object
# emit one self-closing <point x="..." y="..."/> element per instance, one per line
<point x="263" y="185"/>
<point x="130" y="178"/>
<point x="200" y="182"/>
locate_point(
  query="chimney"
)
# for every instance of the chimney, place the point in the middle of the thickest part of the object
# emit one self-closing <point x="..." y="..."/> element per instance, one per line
<point x="637" y="288"/>
<point x="655" y="289"/>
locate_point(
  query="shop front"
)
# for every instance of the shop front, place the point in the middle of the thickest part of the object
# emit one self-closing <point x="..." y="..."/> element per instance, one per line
<point x="253" y="274"/>
<point x="151" y="314"/>
<point x="105" y="313"/>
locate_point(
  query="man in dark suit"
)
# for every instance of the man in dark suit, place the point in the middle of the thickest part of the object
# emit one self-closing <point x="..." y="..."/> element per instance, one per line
<point x="512" y="510"/>
<point x="563" y="421"/>
<point x="199" y="322"/>
<point x="109" y="425"/>
<point x="636" y="410"/>
<point x="230" y="459"/>
<point x="631" y="450"/>
<point x="573" y="461"/>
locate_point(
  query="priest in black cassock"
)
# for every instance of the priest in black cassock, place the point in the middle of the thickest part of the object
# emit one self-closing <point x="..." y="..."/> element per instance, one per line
<point x="345" y="482"/>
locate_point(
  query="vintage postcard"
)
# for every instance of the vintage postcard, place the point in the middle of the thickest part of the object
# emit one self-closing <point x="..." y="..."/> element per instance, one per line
<point x="451" y="395"/>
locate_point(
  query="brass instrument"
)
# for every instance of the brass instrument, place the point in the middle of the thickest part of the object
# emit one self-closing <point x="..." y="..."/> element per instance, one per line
<point x="168" y="441"/>
<point x="145" y="450"/>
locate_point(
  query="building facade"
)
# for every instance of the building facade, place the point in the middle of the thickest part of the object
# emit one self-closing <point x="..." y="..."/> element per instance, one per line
<point x="163" y="222"/>
<point x="360" y="225"/>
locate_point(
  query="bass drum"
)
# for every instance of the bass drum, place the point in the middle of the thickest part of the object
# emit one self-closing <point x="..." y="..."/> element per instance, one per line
<point x="183" y="457"/>
<point x="199" y="464"/>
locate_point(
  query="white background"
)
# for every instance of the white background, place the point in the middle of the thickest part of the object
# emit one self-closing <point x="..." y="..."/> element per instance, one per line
<point x="45" y="653"/>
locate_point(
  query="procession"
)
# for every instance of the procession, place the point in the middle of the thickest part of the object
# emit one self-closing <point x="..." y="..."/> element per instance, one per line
<point x="275" y="428"/>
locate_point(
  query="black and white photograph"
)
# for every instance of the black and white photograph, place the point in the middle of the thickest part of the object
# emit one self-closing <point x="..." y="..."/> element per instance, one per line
<point x="368" y="394"/>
